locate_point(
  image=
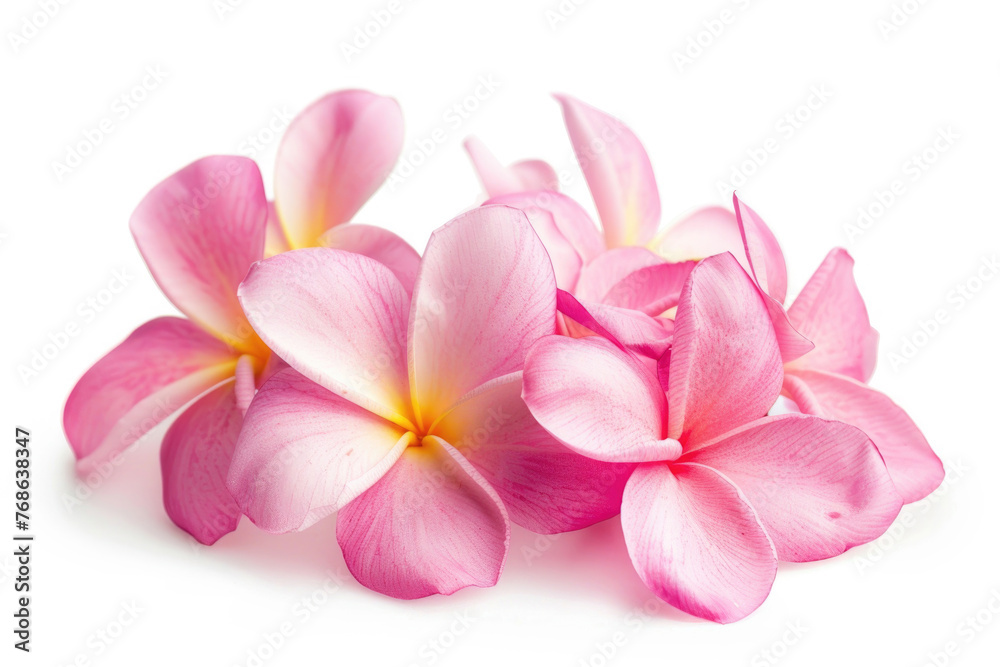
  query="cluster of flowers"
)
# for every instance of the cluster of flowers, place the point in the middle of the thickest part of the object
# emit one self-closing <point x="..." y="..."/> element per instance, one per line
<point x="526" y="368"/>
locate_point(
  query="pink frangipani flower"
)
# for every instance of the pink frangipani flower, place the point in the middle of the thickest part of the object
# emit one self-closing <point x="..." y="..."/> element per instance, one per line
<point x="199" y="231"/>
<point x="405" y="415"/>
<point x="721" y="492"/>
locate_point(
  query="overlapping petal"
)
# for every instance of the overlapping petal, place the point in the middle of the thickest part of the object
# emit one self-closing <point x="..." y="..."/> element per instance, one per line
<point x="485" y="293"/>
<point x="618" y="172"/>
<point x="199" y="231"/>
<point x="194" y="462"/>
<point x="545" y="486"/>
<point x="304" y="452"/>
<point x="381" y="245"/>
<point x="819" y="487"/>
<point x="914" y="467"/>
<point x="431" y="524"/>
<point x="498" y="179"/>
<point x="725" y="366"/>
<point x="696" y="542"/>
<point x="332" y="158"/>
<point x="156" y="370"/>
<point x="338" y="318"/>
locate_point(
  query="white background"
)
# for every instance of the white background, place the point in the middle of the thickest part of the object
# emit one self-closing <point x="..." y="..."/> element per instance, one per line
<point x="227" y="77"/>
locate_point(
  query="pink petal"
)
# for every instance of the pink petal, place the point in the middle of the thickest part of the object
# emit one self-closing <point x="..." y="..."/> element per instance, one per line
<point x="276" y="242"/>
<point x="570" y="218"/>
<point x="431" y="525"/>
<point x="819" y="487"/>
<point x="381" y="245"/>
<point x="498" y="179"/>
<point x="725" y="366"/>
<point x="609" y="268"/>
<point x="618" y="172"/>
<point x="566" y="261"/>
<point x="790" y="341"/>
<point x="652" y="290"/>
<point x="597" y="400"/>
<point x="767" y="263"/>
<point x="304" y="452"/>
<point x="546" y="487"/>
<point x="912" y="464"/>
<point x="696" y="542"/>
<point x="536" y="175"/>
<point x="161" y="366"/>
<point x="194" y="460"/>
<point x="712" y="230"/>
<point x="485" y="293"/>
<point x="831" y="313"/>
<point x="637" y="332"/>
<point x="338" y="318"/>
<point x="199" y="231"/>
<point x="333" y="157"/>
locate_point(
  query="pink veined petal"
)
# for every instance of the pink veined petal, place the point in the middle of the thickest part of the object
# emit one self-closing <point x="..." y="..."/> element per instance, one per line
<point x="276" y="242"/>
<point x="431" y="525"/>
<point x="194" y="461"/>
<point x="831" y="313"/>
<point x="498" y="179"/>
<point x="305" y="452"/>
<point x="332" y="158"/>
<point x="597" y="400"/>
<point x="618" y="173"/>
<point x="652" y="290"/>
<point x="767" y="263"/>
<point x="914" y="467"/>
<point x="381" y="245"/>
<point x="708" y="231"/>
<point x="338" y="318"/>
<point x="791" y="342"/>
<point x="156" y="370"/>
<point x="725" y="366"/>
<point x="639" y="333"/>
<point x="819" y="487"/>
<point x="199" y="231"/>
<point x="611" y="267"/>
<point x="696" y="542"/>
<point x="536" y="175"/>
<point x="246" y="383"/>
<point x="546" y="487"/>
<point x="566" y="261"/>
<point x="485" y="293"/>
<point x="572" y="221"/>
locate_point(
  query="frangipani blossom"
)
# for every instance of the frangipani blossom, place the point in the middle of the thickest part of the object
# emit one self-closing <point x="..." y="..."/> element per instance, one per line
<point x="831" y="381"/>
<point x="199" y="231"/>
<point x="721" y="492"/>
<point x="631" y="267"/>
<point x="405" y="415"/>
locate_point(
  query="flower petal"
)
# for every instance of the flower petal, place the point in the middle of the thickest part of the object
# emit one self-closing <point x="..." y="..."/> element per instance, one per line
<point x="304" y="452"/>
<point x="332" y="158"/>
<point x="609" y="268"/>
<point x="912" y="464"/>
<point x="431" y="525"/>
<point x="194" y="461"/>
<point x="725" y="366"/>
<point x="276" y="242"/>
<point x="485" y="293"/>
<point x="156" y="370"/>
<point x="708" y="231"/>
<point x="618" y="172"/>
<point x="597" y="400"/>
<point x="338" y="318"/>
<point x="381" y="245"/>
<point x="546" y="487"/>
<point x="631" y="329"/>
<point x="831" y="313"/>
<point x="819" y="487"/>
<point x="199" y="231"/>
<point x="500" y="180"/>
<point x="652" y="290"/>
<point x="767" y="263"/>
<point x="696" y="542"/>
